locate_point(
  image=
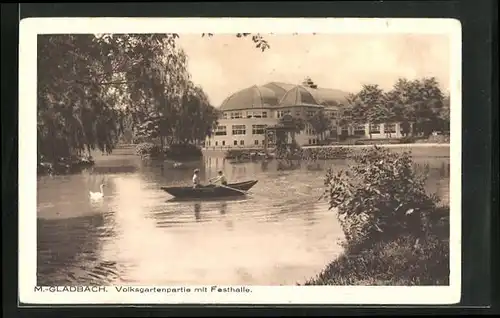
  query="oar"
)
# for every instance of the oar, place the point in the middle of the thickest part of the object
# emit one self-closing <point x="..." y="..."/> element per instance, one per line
<point x="241" y="191"/>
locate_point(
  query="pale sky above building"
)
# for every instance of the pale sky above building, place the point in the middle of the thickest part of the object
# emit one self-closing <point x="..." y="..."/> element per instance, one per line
<point x="224" y="64"/>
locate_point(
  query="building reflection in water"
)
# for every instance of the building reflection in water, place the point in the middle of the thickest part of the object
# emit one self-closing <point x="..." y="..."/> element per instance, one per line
<point x="264" y="166"/>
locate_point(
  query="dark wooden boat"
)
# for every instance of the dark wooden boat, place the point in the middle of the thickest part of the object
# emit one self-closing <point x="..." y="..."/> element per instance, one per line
<point x="211" y="191"/>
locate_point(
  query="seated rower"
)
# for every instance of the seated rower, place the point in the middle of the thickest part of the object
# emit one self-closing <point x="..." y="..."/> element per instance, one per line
<point x="220" y="178"/>
<point x="196" y="179"/>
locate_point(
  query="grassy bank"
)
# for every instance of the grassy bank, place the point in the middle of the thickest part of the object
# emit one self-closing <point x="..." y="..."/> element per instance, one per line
<point x="395" y="263"/>
<point x="395" y="233"/>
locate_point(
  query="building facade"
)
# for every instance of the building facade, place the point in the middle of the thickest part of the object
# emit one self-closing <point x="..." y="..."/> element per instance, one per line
<point x="247" y="113"/>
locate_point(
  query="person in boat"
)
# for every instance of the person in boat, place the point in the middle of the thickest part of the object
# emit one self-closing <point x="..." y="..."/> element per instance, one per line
<point x="220" y="178"/>
<point x="196" y="178"/>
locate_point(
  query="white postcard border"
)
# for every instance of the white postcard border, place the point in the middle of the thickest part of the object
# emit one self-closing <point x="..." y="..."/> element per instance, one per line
<point x="30" y="28"/>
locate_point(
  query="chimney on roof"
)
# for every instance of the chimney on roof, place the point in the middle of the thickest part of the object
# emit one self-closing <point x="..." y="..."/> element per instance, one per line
<point x="309" y="83"/>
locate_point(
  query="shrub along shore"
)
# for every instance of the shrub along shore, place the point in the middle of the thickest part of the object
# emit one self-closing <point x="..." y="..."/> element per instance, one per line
<point x="311" y="153"/>
<point x="395" y="232"/>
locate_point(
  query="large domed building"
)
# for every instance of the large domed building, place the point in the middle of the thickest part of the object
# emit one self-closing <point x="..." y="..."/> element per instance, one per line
<point x="247" y="113"/>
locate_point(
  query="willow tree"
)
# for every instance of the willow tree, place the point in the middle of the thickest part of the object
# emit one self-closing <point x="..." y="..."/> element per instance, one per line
<point x="196" y="119"/>
<point x="88" y="84"/>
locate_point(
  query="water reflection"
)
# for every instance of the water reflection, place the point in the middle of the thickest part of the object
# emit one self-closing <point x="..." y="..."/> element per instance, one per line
<point x="223" y="208"/>
<point x="69" y="250"/>
<point x="139" y="234"/>
<point x="197" y="209"/>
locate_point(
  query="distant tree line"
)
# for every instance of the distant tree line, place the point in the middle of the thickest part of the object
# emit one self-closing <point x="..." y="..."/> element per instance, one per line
<point x="419" y="105"/>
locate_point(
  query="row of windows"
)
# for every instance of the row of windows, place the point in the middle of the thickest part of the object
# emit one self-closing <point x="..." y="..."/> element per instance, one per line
<point x="374" y="129"/>
<point x="240" y="130"/>
<point x="235" y="143"/>
<point x="248" y="114"/>
<point x="257" y="130"/>
<point x="283" y="113"/>
<point x="332" y="114"/>
<point x="310" y="131"/>
<point x="279" y="114"/>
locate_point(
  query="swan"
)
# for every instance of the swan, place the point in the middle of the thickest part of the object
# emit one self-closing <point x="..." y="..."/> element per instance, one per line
<point x="97" y="195"/>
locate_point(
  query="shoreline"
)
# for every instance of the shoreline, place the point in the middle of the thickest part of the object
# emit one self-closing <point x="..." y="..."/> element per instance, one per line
<point x="414" y="145"/>
<point x="441" y="150"/>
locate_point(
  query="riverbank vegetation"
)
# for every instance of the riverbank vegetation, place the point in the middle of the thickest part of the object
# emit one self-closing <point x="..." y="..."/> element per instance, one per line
<point x="96" y="90"/>
<point x="395" y="232"/>
<point x="180" y="151"/>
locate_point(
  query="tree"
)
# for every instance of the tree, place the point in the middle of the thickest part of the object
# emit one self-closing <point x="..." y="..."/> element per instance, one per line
<point x="88" y="85"/>
<point x="345" y="119"/>
<point x="419" y="102"/>
<point x="293" y="125"/>
<point x="444" y="114"/>
<point x="196" y="119"/>
<point x="369" y="105"/>
<point x="320" y="123"/>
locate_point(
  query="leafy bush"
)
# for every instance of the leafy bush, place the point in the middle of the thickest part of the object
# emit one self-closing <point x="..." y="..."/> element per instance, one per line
<point x="287" y="151"/>
<point x="407" y="140"/>
<point x="395" y="232"/>
<point x="436" y="139"/>
<point x="380" y="198"/>
<point x="238" y="153"/>
<point x="183" y="151"/>
<point x="148" y="149"/>
<point x="325" y="153"/>
<point x="377" y="141"/>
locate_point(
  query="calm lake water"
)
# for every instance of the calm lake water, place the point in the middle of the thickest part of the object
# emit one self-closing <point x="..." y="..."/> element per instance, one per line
<point x="280" y="234"/>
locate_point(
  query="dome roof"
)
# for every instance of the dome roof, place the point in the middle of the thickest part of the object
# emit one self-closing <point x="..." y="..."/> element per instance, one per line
<point x="251" y="97"/>
<point x="282" y="94"/>
<point x="279" y="88"/>
<point x="298" y="95"/>
<point x="328" y="96"/>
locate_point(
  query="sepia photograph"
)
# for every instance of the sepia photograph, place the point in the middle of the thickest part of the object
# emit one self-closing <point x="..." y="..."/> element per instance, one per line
<point x="240" y="160"/>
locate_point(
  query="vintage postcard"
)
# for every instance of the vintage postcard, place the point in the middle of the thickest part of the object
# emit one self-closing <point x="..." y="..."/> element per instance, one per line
<point x="240" y="161"/>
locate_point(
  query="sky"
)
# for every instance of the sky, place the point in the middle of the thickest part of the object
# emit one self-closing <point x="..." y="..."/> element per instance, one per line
<point x="224" y="64"/>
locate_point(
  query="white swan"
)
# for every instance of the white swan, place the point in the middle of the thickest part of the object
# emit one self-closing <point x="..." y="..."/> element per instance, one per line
<point x="178" y="164"/>
<point x="97" y="195"/>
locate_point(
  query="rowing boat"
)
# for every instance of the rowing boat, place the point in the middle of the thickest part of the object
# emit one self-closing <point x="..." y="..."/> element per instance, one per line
<point x="211" y="191"/>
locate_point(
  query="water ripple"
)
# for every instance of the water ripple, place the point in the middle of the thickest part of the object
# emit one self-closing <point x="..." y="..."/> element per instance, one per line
<point x="279" y="234"/>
